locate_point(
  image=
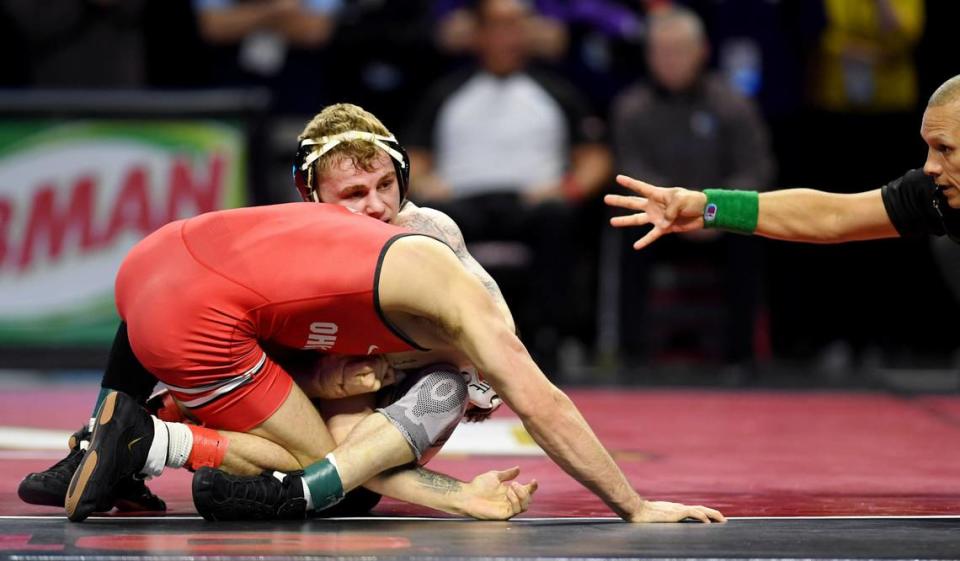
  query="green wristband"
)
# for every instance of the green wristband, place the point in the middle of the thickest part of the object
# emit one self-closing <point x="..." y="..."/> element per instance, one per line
<point x="734" y="211"/>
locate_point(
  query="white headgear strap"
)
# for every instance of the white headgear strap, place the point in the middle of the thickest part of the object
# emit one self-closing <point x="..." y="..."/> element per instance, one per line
<point x="328" y="143"/>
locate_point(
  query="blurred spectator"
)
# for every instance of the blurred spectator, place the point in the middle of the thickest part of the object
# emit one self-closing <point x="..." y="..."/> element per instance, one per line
<point x="761" y="47"/>
<point x="588" y="41"/>
<point x="509" y="152"/>
<point x="688" y="127"/>
<point x="457" y="28"/>
<point x="271" y="43"/>
<point x="605" y="38"/>
<point x="383" y="56"/>
<point x="80" y="43"/>
<point x="866" y="55"/>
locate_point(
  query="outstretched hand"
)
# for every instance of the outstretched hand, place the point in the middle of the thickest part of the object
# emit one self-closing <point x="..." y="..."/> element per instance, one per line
<point x="663" y="511"/>
<point x="496" y="496"/>
<point x="668" y="210"/>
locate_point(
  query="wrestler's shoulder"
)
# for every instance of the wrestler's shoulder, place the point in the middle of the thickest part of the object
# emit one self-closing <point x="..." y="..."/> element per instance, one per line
<point x="413" y="215"/>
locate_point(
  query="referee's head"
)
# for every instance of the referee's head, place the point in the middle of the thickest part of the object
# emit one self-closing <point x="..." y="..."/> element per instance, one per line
<point x="941" y="131"/>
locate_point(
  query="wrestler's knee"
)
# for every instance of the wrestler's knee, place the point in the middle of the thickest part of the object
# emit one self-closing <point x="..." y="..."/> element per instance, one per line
<point x="428" y="412"/>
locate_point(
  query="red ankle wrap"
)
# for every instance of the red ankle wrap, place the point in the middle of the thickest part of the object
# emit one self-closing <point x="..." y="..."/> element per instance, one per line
<point x="209" y="448"/>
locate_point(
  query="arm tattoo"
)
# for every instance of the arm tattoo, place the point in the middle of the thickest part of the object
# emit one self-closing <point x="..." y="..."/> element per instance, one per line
<point x="491" y="285"/>
<point x="447" y="231"/>
<point x="437" y="482"/>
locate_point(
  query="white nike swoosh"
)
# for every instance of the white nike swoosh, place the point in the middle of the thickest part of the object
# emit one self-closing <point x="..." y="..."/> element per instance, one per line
<point x="371" y="349"/>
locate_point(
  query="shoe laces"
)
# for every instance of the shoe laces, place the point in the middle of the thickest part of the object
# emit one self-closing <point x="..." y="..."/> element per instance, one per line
<point x="265" y="489"/>
<point x="65" y="467"/>
<point x="68" y="465"/>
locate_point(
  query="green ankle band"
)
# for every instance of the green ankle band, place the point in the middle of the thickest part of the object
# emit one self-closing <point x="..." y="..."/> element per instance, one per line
<point x="734" y="211"/>
<point x="324" y="483"/>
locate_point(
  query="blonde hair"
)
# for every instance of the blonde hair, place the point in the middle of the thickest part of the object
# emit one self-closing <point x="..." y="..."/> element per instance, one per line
<point x="339" y="118"/>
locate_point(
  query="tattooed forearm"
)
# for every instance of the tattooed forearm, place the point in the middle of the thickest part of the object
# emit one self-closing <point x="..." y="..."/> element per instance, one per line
<point x="437" y="482"/>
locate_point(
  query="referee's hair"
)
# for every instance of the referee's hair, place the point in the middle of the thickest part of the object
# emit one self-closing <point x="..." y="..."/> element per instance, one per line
<point x="479" y="8"/>
<point x="677" y="14"/>
<point x="948" y="92"/>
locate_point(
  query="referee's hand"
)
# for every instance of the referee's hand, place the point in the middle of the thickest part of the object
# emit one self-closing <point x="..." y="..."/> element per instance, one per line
<point x="668" y="210"/>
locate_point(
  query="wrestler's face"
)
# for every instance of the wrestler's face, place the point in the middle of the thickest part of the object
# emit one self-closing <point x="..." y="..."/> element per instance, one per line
<point x="941" y="132"/>
<point x="375" y="193"/>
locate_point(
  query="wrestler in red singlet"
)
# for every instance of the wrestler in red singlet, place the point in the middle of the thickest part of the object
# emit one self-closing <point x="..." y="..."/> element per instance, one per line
<point x="200" y="296"/>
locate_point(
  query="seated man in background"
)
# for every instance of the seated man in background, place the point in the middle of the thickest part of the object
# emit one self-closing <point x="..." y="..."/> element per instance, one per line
<point x="509" y="152"/>
<point x="689" y="127"/>
<point x="277" y="44"/>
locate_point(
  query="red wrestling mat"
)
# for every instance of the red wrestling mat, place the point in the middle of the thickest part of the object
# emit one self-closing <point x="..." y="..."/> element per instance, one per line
<point x="746" y="453"/>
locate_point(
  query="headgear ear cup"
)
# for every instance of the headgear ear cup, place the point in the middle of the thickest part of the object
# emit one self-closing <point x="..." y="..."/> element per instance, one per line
<point x="303" y="178"/>
<point x="402" y="169"/>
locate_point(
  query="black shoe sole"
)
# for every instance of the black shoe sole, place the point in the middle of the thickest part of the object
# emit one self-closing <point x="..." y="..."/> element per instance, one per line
<point x="78" y="502"/>
<point x="92" y="486"/>
<point x="42" y="497"/>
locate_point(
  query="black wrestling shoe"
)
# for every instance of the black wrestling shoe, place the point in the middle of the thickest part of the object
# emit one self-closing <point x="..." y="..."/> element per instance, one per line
<point x="49" y="487"/>
<point x="121" y="440"/>
<point x="358" y="502"/>
<point x="132" y="495"/>
<point x="220" y="496"/>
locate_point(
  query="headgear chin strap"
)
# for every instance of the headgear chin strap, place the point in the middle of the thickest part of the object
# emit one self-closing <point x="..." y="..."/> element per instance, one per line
<point x="310" y="150"/>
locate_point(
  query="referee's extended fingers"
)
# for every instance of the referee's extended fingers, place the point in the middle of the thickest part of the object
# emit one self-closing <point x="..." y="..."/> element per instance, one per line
<point x="622" y="201"/>
<point x="637" y="186"/>
<point x="639" y="219"/>
<point x="652" y="236"/>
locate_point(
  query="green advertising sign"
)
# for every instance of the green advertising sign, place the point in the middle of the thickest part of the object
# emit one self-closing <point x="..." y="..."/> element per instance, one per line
<point x="75" y="197"/>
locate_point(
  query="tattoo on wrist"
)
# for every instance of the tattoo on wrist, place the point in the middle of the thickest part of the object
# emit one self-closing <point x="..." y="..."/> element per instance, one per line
<point x="437" y="482"/>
